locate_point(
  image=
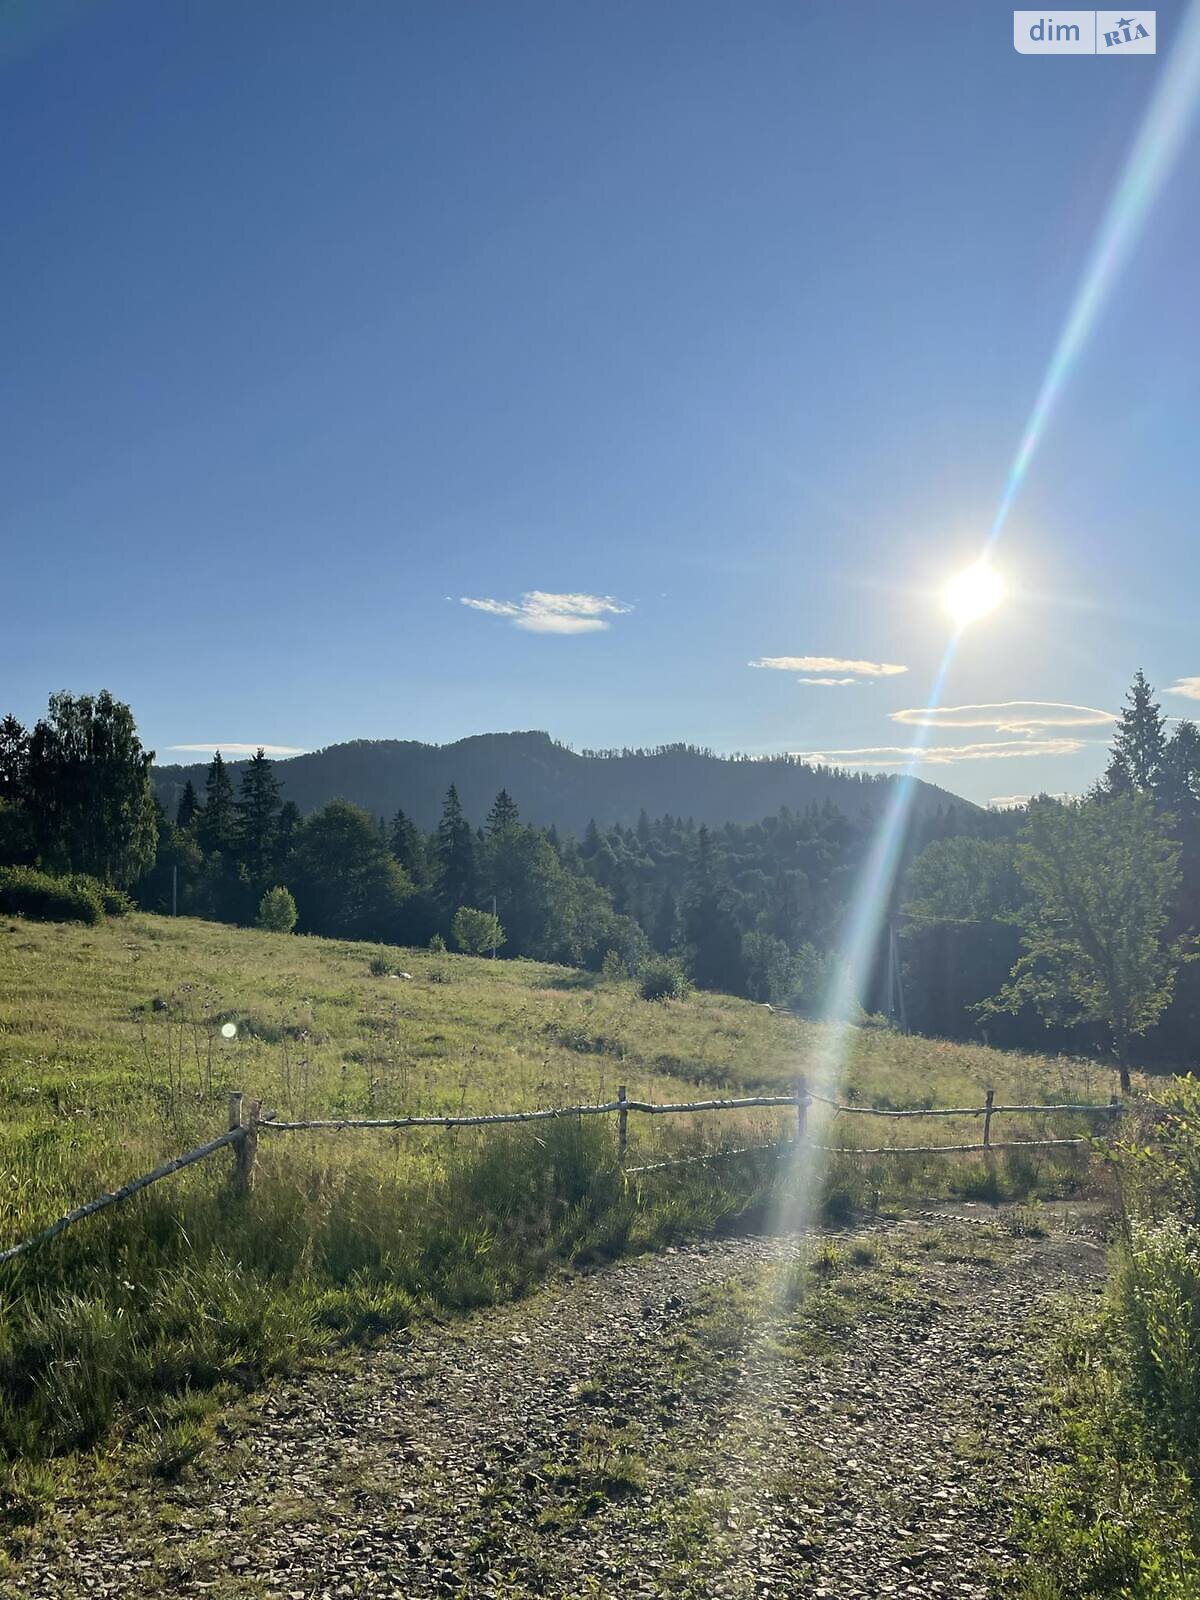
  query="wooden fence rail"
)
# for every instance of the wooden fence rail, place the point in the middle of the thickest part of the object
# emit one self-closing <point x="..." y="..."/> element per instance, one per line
<point x="247" y="1122"/>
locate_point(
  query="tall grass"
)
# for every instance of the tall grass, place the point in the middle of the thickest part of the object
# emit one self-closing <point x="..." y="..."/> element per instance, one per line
<point x="112" y="1057"/>
<point x="1123" y="1517"/>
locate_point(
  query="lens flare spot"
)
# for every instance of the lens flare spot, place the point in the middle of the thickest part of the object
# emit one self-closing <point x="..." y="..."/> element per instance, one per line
<point x="973" y="593"/>
<point x="229" y="1030"/>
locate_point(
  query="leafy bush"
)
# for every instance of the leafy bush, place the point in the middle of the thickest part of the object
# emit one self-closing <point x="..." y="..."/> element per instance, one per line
<point x="613" y="967"/>
<point x="116" y="902"/>
<point x="277" y="911"/>
<point x="476" y="933"/>
<point x="438" y="945"/>
<point x="663" y="978"/>
<point x="380" y="966"/>
<point x="26" y="892"/>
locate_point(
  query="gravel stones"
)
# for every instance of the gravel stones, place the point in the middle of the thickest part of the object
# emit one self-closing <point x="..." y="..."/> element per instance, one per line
<point x="659" y="1427"/>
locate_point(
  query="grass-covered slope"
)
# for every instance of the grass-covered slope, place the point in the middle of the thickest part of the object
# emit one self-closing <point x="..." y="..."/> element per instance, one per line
<point x="111" y="1057"/>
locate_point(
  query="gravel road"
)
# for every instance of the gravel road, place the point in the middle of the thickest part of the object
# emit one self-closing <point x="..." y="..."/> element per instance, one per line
<point x="668" y="1425"/>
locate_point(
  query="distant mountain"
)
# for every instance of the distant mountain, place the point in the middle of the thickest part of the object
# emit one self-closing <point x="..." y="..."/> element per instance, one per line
<point x="552" y="784"/>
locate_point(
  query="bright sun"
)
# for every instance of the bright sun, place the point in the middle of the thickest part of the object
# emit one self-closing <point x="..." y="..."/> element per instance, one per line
<point x="973" y="593"/>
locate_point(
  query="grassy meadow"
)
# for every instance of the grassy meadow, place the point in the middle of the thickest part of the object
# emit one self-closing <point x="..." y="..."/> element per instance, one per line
<point x="112" y="1058"/>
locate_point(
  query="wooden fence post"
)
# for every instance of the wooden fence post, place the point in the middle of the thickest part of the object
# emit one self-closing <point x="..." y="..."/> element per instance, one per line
<point x="622" y="1125"/>
<point x="801" y="1107"/>
<point x="245" y="1150"/>
<point x="987" y="1118"/>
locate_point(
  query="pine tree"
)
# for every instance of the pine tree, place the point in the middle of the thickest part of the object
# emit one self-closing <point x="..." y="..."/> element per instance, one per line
<point x="215" y="822"/>
<point x="287" y="829"/>
<point x="256" y="814"/>
<point x="454" y="849"/>
<point x="1137" y="750"/>
<point x="665" y="931"/>
<point x="408" y="847"/>
<point x="713" y="937"/>
<point x="504" y="814"/>
<point x="189" y="806"/>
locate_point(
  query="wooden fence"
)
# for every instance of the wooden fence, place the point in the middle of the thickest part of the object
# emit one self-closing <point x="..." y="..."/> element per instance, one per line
<point x="248" y="1122"/>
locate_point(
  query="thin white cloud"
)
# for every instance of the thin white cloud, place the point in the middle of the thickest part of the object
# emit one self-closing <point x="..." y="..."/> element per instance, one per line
<point x="828" y="683"/>
<point x="942" y="755"/>
<point x="1189" y="688"/>
<point x="539" y="612"/>
<point x="1006" y="716"/>
<point x="1009" y="802"/>
<point x="830" y="664"/>
<point x="236" y="747"/>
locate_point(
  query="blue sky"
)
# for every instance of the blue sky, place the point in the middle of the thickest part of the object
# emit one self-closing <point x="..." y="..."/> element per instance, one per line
<point x="320" y="319"/>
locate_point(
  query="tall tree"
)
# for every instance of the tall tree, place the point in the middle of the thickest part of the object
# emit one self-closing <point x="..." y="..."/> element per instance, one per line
<point x="89" y="793"/>
<point x="408" y="846"/>
<point x="1101" y="876"/>
<point x="1137" y="749"/>
<point x="503" y="814"/>
<point x="189" y="806"/>
<point x="454" y="851"/>
<point x="14" y="760"/>
<point x="215" y="824"/>
<point x="713" y="937"/>
<point x="1178" y="786"/>
<point x="345" y="882"/>
<point x="256" y="814"/>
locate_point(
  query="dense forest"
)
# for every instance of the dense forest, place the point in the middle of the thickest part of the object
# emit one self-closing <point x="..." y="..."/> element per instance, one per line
<point x="1066" y="924"/>
<point x="559" y="787"/>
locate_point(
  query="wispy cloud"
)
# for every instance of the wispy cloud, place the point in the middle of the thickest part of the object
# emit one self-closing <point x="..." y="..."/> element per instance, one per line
<point x="238" y="747"/>
<point x="847" y="670"/>
<point x="828" y="683"/>
<point x="539" y="612"/>
<point x="942" y="755"/>
<point x="1189" y="688"/>
<point x="1006" y="716"/>
<point x="1009" y="802"/>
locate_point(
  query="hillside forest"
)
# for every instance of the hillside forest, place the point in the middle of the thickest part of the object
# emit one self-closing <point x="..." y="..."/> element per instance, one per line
<point x="980" y="937"/>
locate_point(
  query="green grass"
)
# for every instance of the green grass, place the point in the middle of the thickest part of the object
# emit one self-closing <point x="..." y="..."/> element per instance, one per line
<point x="112" y="1058"/>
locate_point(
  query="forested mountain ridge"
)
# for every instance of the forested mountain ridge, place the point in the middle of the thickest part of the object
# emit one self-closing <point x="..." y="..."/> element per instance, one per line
<point x="559" y="786"/>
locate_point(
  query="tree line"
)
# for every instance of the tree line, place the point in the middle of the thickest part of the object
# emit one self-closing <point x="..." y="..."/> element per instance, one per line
<point x="1062" y="923"/>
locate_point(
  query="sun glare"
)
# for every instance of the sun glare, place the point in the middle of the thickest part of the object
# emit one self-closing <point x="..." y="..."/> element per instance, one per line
<point x="973" y="593"/>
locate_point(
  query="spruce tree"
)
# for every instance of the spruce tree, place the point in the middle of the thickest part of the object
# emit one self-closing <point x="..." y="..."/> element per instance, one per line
<point x="215" y="822"/>
<point x="503" y="814"/>
<point x="287" y="828"/>
<point x="1137" y="749"/>
<point x="189" y="806"/>
<point x="407" y="846"/>
<point x="454" y="849"/>
<point x="256" y="814"/>
<point x="713" y="936"/>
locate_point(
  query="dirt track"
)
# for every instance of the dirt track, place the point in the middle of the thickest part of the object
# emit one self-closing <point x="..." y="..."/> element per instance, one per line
<point x="660" y="1427"/>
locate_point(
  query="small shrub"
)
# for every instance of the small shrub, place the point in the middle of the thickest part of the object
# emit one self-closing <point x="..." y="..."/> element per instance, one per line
<point x="277" y="911"/>
<point x="438" y="945"/>
<point x="476" y="933"/>
<point x="380" y="966"/>
<point x="613" y="967"/>
<point x="663" y="978"/>
<point x="26" y="892"/>
<point x="116" y="902"/>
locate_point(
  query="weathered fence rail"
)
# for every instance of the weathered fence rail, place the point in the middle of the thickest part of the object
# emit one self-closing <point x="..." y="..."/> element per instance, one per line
<point x="248" y="1121"/>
